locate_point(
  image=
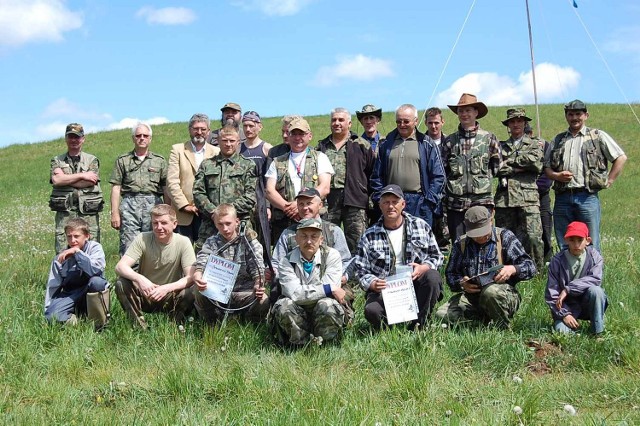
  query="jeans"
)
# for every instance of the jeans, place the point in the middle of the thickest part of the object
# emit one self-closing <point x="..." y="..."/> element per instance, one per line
<point x="577" y="206"/>
<point x="595" y="304"/>
<point x="418" y="206"/>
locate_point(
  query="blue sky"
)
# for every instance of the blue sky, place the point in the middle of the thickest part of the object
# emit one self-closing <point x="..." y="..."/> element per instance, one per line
<point x="108" y="64"/>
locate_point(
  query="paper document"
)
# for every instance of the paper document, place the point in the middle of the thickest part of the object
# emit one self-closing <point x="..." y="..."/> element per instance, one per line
<point x="220" y="275"/>
<point x="399" y="297"/>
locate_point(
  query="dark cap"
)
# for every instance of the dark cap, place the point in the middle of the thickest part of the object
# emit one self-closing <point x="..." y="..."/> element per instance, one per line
<point x="251" y="116"/>
<point x="231" y="105"/>
<point x="308" y="192"/>
<point x="577" y="229"/>
<point x="392" y="189"/>
<point x="310" y="223"/>
<point x="515" y="113"/>
<point x="477" y="221"/>
<point x="74" y="129"/>
<point x="577" y="105"/>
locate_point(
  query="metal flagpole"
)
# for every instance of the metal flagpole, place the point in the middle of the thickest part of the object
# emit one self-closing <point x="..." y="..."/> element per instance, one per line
<point x="533" y="69"/>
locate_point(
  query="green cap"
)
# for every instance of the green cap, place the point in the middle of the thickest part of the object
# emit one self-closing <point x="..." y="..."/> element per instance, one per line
<point x="515" y="113"/>
<point x="310" y="223"/>
<point x="577" y="105"/>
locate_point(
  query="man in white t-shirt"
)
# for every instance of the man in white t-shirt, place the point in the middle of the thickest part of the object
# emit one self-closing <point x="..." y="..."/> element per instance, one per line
<point x="300" y="168"/>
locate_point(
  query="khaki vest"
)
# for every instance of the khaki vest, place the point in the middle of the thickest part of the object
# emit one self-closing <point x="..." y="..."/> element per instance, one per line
<point x="67" y="198"/>
<point x="284" y="185"/>
<point x="469" y="174"/>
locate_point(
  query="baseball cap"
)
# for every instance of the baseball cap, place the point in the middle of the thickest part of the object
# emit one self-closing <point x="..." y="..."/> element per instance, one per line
<point x="308" y="192"/>
<point x="251" y="116"/>
<point x="310" y="224"/>
<point x="576" y="104"/>
<point x="231" y="105"/>
<point x="577" y="229"/>
<point x="74" y="129"/>
<point x="300" y="124"/>
<point x="477" y="221"/>
<point x="392" y="189"/>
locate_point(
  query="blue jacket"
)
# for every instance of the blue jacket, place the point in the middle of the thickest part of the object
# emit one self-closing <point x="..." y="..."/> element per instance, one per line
<point x="432" y="178"/>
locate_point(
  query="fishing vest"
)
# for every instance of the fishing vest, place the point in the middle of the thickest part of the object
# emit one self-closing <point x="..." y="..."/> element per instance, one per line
<point x="327" y="235"/>
<point x="595" y="165"/>
<point x="469" y="174"/>
<point x="284" y="185"/>
<point x="67" y="198"/>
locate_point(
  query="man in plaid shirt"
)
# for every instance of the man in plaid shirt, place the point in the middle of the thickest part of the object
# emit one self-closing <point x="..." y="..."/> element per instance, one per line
<point x="484" y="267"/>
<point x="398" y="239"/>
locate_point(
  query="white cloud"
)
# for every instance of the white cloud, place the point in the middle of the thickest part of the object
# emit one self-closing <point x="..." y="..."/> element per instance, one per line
<point x="357" y="67"/>
<point x="64" y="108"/>
<point x="273" y="7"/>
<point x="26" y="21"/>
<point x="128" y="122"/>
<point x="553" y="83"/>
<point x="167" y="15"/>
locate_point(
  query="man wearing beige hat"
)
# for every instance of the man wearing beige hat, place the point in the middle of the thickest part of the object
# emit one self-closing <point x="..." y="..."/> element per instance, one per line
<point x="471" y="157"/>
<point x="231" y="115"/>
<point x="289" y="173"/>
<point x="516" y="198"/>
<point x="76" y="186"/>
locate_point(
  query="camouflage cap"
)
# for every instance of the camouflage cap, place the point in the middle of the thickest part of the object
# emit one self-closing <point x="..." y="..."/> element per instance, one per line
<point x="515" y="113"/>
<point x="300" y="124"/>
<point x="231" y="105"/>
<point x="577" y="105"/>
<point x="308" y="192"/>
<point x="74" y="129"/>
<point x="310" y="224"/>
<point x="369" y="109"/>
<point x="477" y="221"/>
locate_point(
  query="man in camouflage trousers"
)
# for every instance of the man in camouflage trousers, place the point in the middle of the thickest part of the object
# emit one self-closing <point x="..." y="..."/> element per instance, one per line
<point x="140" y="177"/>
<point x="244" y="250"/>
<point x="517" y="202"/>
<point x="226" y="178"/>
<point x="311" y="304"/>
<point x="471" y="158"/>
<point x="348" y="197"/>
<point x="76" y="187"/>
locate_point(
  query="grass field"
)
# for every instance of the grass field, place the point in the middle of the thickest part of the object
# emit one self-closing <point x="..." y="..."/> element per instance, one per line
<point x="235" y="375"/>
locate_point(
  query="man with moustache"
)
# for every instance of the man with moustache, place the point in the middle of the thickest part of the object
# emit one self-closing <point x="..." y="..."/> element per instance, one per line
<point x="231" y="116"/>
<point x="184" y="162"/>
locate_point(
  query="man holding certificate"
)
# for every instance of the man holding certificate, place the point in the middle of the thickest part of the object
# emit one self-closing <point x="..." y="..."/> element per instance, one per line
<point x="485" y="265"/>
<point x="243" y="255"/>
<point x="397" y="248"/>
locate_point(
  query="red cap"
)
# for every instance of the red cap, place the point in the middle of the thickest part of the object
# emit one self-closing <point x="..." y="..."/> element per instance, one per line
<point x="577" y="229"/>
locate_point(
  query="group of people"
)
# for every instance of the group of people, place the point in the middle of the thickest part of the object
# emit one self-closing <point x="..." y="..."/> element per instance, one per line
<point x="356" y="209"/>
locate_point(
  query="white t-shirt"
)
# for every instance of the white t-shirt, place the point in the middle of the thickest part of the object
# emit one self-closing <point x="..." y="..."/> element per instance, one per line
<point x="297" y="160"/>
<point x="396" y="236"/>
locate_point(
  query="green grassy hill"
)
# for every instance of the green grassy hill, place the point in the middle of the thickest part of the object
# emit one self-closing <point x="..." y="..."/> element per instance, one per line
<point x="234" y="375"/>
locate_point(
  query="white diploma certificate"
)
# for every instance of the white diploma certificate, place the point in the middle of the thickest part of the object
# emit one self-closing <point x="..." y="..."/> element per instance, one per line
<point x="399" y="298"/>
<point x="220" y="275"/>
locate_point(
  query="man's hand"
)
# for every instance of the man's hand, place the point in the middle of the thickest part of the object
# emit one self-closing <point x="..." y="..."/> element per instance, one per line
<point x="197" y="278"/>
<point x="504" y="274"/>
<point x="65" y="254"/>
<point x="564" y="176"/>
<point x="469" y="287"/>
<point x="91" y="177"/>
<point x="258" y="290"/>
<point x="570" y="322"/>
<point x="343" y="280"/>
<point x="419" y="270"/>
<point x="291" y="209"/>
<point x="338" y="294"/>
<point x="159" y="293"/>
<point x="145" y="286"/>
<point x="115" y="220"/>
<point x="190" y="208"/>
<point x="561" y="297"/>
<point x="378" y="285"/>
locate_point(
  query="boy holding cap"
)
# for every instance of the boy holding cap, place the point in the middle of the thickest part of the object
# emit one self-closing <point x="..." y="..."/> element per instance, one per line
<point x="574" y="287"/>
<point x="485" y="265"/>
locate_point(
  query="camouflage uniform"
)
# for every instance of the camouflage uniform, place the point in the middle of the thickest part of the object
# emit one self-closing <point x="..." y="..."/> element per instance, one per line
<point x="69" y="202"/>
<point x="251" y="271"/>
<point x="306" y="309"/>
<point x="348" y="197"/>
<point x="471" y="159"/>
<point x="516" y="199"/>
<point x="142" y="185"/>
<point x="224" y="180"/>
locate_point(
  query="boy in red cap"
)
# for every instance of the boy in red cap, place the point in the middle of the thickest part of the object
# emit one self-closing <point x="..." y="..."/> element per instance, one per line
<point x="574" y="287"/>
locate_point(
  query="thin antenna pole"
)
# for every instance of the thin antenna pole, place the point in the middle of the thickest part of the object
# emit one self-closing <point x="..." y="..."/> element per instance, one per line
<point x="533" y="69"/>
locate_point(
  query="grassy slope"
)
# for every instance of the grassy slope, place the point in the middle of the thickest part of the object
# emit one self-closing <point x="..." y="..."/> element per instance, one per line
<point x="234" y="375"/>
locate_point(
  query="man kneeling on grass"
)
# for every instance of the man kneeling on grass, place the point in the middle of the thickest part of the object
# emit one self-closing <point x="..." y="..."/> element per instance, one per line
<point x="574" y="287"/>
<point x="312" y="302"/>
<point x="76" y="280"/>
<point x="485" y="265"/>
<point x="248" y="297"/>
<point x="164" y="273"/>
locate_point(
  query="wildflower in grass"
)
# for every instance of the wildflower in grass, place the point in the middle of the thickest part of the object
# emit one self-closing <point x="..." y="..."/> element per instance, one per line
<point x="517" y="379"/>
<point x="517" y="410"/>
<point x="569" y="409"/>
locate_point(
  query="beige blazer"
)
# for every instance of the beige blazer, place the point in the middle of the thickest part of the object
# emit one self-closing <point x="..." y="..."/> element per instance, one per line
<point x="181" y="174"/>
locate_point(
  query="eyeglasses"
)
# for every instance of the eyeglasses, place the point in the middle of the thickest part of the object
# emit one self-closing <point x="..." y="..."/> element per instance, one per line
<point x="404" y="121"/>
<point x="142" y="136"/>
